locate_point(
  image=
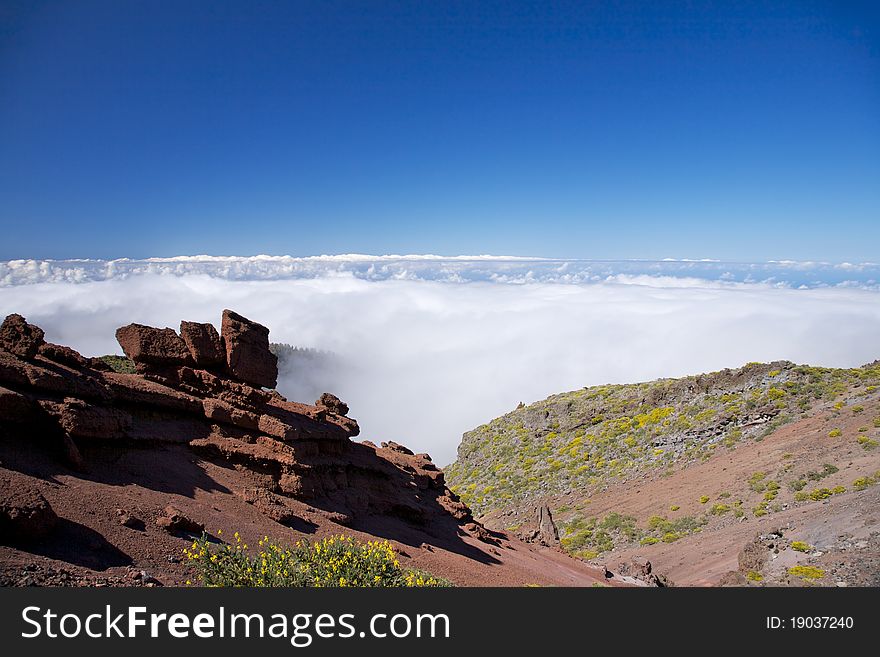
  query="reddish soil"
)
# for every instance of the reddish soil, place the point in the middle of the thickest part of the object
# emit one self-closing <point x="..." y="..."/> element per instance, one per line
<point x="844" y="529"/>
<point x="91" y="460"/>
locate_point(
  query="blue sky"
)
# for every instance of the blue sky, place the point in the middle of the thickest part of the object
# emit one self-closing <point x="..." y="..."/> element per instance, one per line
<point x="741" y="131"/>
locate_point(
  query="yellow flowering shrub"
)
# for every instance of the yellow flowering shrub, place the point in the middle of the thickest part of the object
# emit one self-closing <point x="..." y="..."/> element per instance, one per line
<point x="335" y="561"/>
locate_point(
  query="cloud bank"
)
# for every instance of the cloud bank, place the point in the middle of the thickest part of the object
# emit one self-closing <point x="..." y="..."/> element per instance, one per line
<point x="454" y="269"/>
<point x="423" y="357"/>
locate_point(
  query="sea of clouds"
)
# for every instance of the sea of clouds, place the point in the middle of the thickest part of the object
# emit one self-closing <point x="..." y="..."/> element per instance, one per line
<point x="424" y="348"/>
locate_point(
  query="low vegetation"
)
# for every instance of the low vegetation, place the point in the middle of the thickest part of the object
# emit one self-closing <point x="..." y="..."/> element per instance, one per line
<point x="818" y="494"/>
<point x="587" y="438"/>
<point x="119" y="364"/>
<point x="336" y="561"/>
<point x="864" y="482"/>
<point x="807" y="573"/>
<point x="589" y="537"/>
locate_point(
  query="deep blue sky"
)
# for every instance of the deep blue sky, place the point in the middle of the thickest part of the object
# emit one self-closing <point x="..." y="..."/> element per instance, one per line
<point x="733" y="130"/>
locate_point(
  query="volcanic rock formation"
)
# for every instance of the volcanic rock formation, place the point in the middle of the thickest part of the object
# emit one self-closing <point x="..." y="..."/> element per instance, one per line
<point x="206" y="391"/>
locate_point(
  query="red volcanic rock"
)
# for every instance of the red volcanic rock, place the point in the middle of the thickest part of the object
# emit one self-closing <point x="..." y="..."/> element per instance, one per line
<point x="146" y="345"/>
<point x="64" y="355"/>
<point x="15" y="407"/>
<point x="220" y="411"/>
<point x="15" y="373"/>
<point x="547" y="532"/>
<point x="20" y="338"/>
<point x="174" y="520"/>
<point x="99" y="365"/>
<point x="294" y="463"/>
<point x="24" y="512"/>
<point x="247" y="351"/>
<point x="332" y="403"/>
<point x="396" y="447"/>
<point x="83" y="420"/>
<point x="203" y="343"/>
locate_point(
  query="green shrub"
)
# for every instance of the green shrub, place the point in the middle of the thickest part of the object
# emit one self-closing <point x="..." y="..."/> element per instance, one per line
<point x="719" y="509"/>
<point x="655" y="522"/>
<point x="649" y="540"/>
<point x="119" y="364"/>
<point x="867" y="443"/>
<point x="863" y="482"/>
<point x="800" y="546"/>
<point x="756" y="482"/>
<point x="827" y="470"/>
<point x="618" y="522"/>
<point x="775" y="393"/>
<point x="704" y="499"/>
<point x="818" y="494"/>
<point x="674" y="507"/>
<point x="754" y="576"/>
<point x="335" y="561"/>
<point x="670" y="537"/>
<point x="834" y="433"/>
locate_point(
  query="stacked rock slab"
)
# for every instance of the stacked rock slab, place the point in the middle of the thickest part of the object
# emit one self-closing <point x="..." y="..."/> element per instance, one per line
<point x="204" y="344"/>
<point x="150" y="347"/>
<point x="204" y="391"/>
<point x="247" y="351"/>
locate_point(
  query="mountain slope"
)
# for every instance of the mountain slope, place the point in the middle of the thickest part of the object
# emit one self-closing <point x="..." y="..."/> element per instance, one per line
<point x="656" y="470"/>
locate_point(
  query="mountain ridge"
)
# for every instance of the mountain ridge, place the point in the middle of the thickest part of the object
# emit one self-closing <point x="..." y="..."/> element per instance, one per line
<point x="590" y="455"/>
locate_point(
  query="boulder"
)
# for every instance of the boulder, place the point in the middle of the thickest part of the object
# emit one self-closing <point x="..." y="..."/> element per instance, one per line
<point x="20" y="338"/>
<point x="64" y="355"/>
<point x="25" y="515"/>
<point x="203" y="343"/>
<point x="247" y="351"/>
<point x="332" y="403"/>
<point x="126" y="519"/>
<point x="146" y="345"/>
<point x="546" y="528"/>
<point x="174" y="520"/>
<point x="753" y="556"/>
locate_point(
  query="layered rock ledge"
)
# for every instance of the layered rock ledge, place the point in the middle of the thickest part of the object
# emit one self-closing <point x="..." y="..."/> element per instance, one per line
<point x="212" y="392"/>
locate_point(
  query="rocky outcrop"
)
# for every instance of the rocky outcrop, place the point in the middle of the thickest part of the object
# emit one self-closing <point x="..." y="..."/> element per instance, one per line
<point x="203" y="392"/>
<point x="20" y="338"/>
<point x="247" y="351"/>
<point x="150" y="347"/>
<point x="545" y="531"/>
<point x="64" y="355"/>
<point x="332" y="403"/>
<point x="204" y="344"/>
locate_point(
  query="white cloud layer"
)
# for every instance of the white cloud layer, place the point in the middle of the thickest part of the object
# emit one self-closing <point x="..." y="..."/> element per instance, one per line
<point x="450" y="269"/>
<point x="422" y="360"/>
